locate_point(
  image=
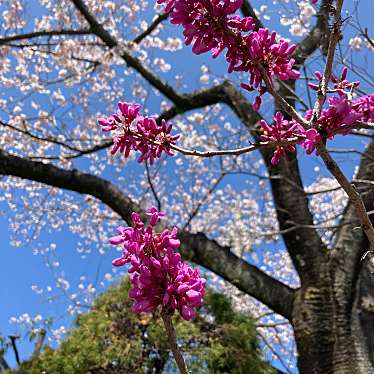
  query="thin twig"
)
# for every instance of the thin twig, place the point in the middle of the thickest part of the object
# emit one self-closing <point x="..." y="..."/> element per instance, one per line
<point x="331" y="165"/>
<point x="154" y="192"/>
<point x="334" y="39"/>
<point x="170" y="331"/>
<point x="238" y="151"/>
<point x="13" y="339"/>
<point x="151" y="28"/>
<point x="350" y="190"/>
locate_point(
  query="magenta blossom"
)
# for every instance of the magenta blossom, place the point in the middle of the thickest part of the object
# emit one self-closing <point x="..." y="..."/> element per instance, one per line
<point x="337" y="118"/>
<point x="364" y="105"/>
<point x="312" y="138"/>
<point x="279" y="132"/>
<point x="275" y="57"/>
<point x="207" y="23"/>
<point x="210" y="25"/>
<point x="135" y="132"/>
<point x="158" y="275"/>
<point x="340" y="84"/>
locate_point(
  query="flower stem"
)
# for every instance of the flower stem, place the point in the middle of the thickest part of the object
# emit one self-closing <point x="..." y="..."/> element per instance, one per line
<point x="166" y="317"/>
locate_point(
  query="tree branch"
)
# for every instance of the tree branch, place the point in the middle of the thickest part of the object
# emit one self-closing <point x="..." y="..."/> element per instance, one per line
<point x="317" y="37"/>
<point x="37" y="34"/>
<point x="160" y="18"/>
<point x="72" y="180"/>
<point x="13" y="340"/>
<point x="3" y="363"/>
<point x="131" y="61"/>
<point x="248" y="278"/>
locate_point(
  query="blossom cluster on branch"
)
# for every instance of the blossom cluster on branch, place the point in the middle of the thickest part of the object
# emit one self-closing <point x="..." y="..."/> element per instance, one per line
<point x="339" y="117"/>
<point x="211" y="26"/>
<point x="158" y="275"/>
<point x="133" y="131"/>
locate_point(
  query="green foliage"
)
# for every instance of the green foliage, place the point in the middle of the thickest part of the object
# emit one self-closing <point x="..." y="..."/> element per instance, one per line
<point x="111" y="339"/>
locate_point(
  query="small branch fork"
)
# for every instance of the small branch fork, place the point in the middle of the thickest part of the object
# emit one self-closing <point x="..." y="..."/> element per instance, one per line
<point x="170" y="331"/>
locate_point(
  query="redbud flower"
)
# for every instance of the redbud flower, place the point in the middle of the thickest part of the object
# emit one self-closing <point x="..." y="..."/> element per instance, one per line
<point x="340" y="84"/>
<point x="312" y="139"/>
<point x="210" y="26"/>
<point x="135" y="132"/>
<point x="158" y="275"/>
<point x="274" y="56"/>
<point x="364" y="106"/>
<point x="337" y="118"/>
<point x="280" y="131"/>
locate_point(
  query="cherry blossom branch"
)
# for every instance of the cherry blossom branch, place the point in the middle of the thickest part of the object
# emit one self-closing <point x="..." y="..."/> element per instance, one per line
<point x="202" y="201"/>
<point x="172" y="338"/>
<point x="131" y="61"/>
<point x="316" y="36"/>
<point x="50" y="33"/>
<point x="365" y="34"/>
<point x="160" y="18"/>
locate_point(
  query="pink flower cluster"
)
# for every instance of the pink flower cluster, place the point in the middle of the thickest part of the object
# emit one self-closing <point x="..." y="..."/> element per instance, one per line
<point x="340" y="84"/>
<point x="280" y="132"/>
<point x="139" y="133"/>
<point x="364" y="105"/>
<point x="158" y="275"/>
<point x="274" y="57"/>
<point x="338" y="118"/>
<point x="210" y="25"/>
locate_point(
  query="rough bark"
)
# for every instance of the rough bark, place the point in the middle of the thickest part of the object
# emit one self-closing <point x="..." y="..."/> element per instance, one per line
<point x="333" y="319"/>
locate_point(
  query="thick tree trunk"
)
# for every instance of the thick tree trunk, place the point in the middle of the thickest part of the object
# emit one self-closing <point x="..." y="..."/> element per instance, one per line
<point x="334" y="330"/>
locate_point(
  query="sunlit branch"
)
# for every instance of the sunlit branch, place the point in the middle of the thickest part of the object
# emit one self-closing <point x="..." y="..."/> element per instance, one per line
<point x="352" y="193"/>
<point x="333" y="41"/>
<point x="160" y="18"/>
<point x="37" y="34"/>
<point x="236" y="152"/>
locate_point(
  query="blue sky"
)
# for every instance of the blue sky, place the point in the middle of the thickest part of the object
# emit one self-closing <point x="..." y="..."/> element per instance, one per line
<point x="21" y="268"/>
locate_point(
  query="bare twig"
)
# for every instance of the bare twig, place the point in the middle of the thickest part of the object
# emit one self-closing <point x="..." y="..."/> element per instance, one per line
<point x="289" y="109"/>
<point x="37" y="34"/>
<point x="154" y="192"/>
<point x="170" y="331"/>
<point x="350" y="190"/>
<point x="150" y="28"/>
<point x="39" y="343"/>
<point x="333" y="41"/>
<point x="238" y="151"/>
<point x="13" y="339"/>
